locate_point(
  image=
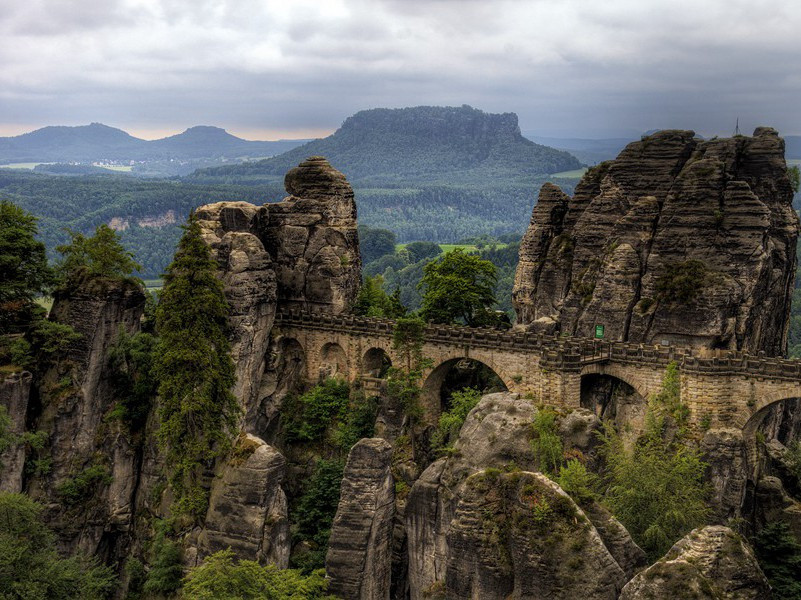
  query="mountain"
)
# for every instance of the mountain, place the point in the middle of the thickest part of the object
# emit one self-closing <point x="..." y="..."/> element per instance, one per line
<point x="98" y="142"/>
<point x="424" y="144"/>
<point x="589" y="151"/>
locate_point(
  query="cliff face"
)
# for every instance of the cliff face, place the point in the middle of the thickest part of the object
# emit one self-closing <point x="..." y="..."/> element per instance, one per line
<point x="677" y="239"/>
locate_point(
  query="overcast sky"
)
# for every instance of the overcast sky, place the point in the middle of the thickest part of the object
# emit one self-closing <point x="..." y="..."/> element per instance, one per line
<point x="265" y="69"/>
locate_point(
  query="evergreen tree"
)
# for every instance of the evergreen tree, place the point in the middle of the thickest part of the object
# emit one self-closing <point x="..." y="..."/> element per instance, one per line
<point x="373" y="301"/>
<point x="459" y="287"/>
<point x="24" y="273"/>
<point x="197" y="411"/>
<point x="100" y="255"/>
<point x="779" y="555"/>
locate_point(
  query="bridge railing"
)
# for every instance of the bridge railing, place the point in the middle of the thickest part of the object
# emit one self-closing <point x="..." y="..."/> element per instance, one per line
<point x="560" y="352"/>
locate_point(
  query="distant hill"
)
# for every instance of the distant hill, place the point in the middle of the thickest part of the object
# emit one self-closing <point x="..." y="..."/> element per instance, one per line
<point x="588" y="151"/>
<point x="424" y="144"/>
<point x="98" y="142"/>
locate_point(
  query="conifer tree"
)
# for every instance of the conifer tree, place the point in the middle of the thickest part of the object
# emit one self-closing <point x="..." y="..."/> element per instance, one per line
<point x="197" y="411"/>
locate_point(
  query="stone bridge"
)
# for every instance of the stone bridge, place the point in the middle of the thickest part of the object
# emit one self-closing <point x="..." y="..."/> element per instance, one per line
<point x="721" y="388"/>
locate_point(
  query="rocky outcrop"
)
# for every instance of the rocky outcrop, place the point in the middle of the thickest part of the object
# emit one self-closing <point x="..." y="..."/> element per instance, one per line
<point x="15" y="390"/>
<point x="724" y="451"/>
<point x="518" y="535"/>
<point x="247" y="506"/>
<point x="358" y="563"/>
<point x="496" y="435"/>
<point x="710" y="563"/>
<point x="90" y="485"/>
<point x="677" y="239"/>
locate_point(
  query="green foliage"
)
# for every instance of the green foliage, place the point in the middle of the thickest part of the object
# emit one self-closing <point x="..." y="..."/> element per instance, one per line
<point x="312" y="413"/>
<point x="375" y="243"/>
<point x="359" y="422"/>
<point x="24" y="273"/>
<point x="421" y="250"/>
<point x="100" y="255"/>
<point x="681" y="282"/>
<point x="49" y="339"/>
<point x="577" y="481"/>
<point x="457" y="287"/>
<point x="668" y="400"/>
<point x="373" y="301"/>
<point x="30" y="568"/>
<point x="132" y="361"/>
<point x="451" y="421"/>
<point x="136" y="577"/>
<point x="546" y="443"/>
<point x="794" y="175"/>
<point x="166" y="571"/>
<point x="222" y="577"/>
<point x="197" y="410"/>
<point x="407" y="338"/>
<point x="779" y="555"/>
<point x="656" y="489"/>
<point x="316" y="509"/>
<point x="794" y="458"/>
<point x="81" y="487"/>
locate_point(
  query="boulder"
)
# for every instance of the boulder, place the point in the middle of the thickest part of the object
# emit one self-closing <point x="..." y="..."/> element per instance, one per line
<point x="247" y="506"/>
<point x="711" y="563"/>
<point x="358" y="563"/>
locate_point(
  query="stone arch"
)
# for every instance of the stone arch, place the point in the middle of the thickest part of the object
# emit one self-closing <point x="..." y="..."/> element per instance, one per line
<point x="620" y="373"/>
<point x="333" y="361"/>
<point x="432" y="383"/>
<point x="375" y="362"/>
<point x="611" y="396"/>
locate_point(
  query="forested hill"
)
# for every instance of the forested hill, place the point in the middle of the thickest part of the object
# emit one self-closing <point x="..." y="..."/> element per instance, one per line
<point x="422" y="145"/>
<point x="98" y="142"/>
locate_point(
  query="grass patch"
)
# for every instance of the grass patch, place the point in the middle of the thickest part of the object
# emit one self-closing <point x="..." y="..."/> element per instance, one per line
<point x="22" y="165"/>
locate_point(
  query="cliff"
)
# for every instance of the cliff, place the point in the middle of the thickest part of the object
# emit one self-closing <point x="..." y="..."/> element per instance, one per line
<point x="680" y="240"/>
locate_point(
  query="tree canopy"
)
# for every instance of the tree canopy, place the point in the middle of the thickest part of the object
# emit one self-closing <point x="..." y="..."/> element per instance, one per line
<point x="197" y="410"/>
<point x="100" y="255"/>
<point x="24" y="272"/>
<point x="458" y="287"/>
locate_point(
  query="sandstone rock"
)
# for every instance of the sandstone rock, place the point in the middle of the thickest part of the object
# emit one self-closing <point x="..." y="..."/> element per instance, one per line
<point x="247" y="507"/>
<point x="518" y="535"/>
<point x="725" y="452"/>
<point x="628" y="555"/>
<point x="670" y="209"/>
<point x="773" y="503"/>
<point x="15" y="391"/>
<point x="712" y="562"/>
<point x="358" y="563"/>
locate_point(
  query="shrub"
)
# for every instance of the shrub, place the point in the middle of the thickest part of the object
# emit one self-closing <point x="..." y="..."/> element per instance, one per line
<point x="577" y="481"/>
<point x="166" y="572"/>
<point x="222" y="577"/>
<point x="451" y="421"/>
<point x="681" y="282"/>
<point x="82" y="486"/>
<point x="132" y="361"/>
<point x="315" y="410"/>
<point x="547" y="445"/>
<point x="358" y="422"/>
<point x="779" y="555"/>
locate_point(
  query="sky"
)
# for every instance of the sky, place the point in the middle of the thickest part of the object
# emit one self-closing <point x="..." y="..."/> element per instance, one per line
<point x="267" y="69"/>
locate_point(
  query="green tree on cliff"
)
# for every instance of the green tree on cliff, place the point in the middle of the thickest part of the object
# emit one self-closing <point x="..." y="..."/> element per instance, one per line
<point x="197" y="411"/>
<point x="99" y="255"/>
<point x="458" y="287"/>
<point x="24" y="273"/>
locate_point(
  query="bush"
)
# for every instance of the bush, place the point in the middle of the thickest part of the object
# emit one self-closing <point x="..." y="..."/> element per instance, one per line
<point x="312" y="413"/>
<point x="547" y="445"/>
<point x="316" y="509"/>
<point x="451" y="421"/>
<point x="779" y="555"/>
<point x="165" y="575"/>
<point x="577" y="481"/>
<point x="359" y="421"/>
<point x="30" y="568"/>
<point x="222" y="577"/>
<point x="680" y="283"/>
<point x="82" y="486"/>
<point x="132" y="361"/>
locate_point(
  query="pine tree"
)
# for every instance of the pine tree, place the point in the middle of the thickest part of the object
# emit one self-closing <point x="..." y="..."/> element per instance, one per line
<point x="197" y="411"/>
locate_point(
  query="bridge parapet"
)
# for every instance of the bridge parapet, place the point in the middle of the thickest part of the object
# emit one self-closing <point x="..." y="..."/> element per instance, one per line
<point x="561" y="353"/>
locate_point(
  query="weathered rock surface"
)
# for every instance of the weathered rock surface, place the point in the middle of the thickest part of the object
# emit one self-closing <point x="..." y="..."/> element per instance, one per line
<point x="724" y="450"/>
<point x="708" y="563"/>
<point x="15" y="391"/>
<point x="496" y="434"/>
<point x="76" y="395"/>
<point x="518" y="535"/>
<point x="247" y="507"/>
<point x="677" y="239"/>
<point x="358" y="564"/>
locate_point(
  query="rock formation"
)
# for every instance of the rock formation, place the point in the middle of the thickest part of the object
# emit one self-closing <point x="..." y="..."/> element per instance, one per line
<point x="678" y="239"/>
<point x="709" y="563"/>
<point x="358" y="563"/>
<point x="248" y="508"/>
<point x="15" y="390"/>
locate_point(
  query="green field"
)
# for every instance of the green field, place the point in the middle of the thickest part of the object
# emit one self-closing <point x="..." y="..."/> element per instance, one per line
<point x="45" y="302"/>
<point x="28" y="166"/>
<point x="574" y="174"/>
<point x="451" y="247"/>
<point x="121" y="168"/>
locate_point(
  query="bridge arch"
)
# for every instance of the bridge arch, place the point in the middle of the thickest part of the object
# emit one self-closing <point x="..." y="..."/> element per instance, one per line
<point x="333" y="361"/>
<point x="432" y="390"/>
<point x="375" y="362"/>
<point x="621" y="374"/>
<point x="775" y="420"/>
<point x="616" y="397"/>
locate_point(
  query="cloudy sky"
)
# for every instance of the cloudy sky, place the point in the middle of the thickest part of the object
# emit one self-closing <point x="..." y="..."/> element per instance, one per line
<point x="266" y="69"/>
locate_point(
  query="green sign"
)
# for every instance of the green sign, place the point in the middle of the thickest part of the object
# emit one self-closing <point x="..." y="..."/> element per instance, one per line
<point x="599" y="331"/>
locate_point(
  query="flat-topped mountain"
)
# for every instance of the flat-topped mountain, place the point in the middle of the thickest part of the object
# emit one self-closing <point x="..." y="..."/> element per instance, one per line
<point x="423" y="144"/>
<point x="97" y="142"/>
